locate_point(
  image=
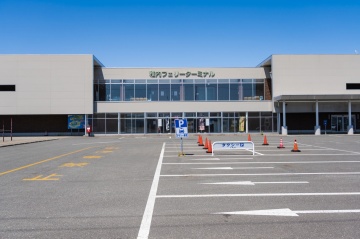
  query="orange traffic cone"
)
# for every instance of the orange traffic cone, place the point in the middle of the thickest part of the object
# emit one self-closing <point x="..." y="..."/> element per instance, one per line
<point x="209" y="147"/>
<point x="206" y="144"/>
<point x="199" y="139"/>
<point x="281" y="146"/>
<point x="265" y="141"/>
<point x="249" y="138"/>
<point x="295" y="149"/>
<point x="200" y="142"/>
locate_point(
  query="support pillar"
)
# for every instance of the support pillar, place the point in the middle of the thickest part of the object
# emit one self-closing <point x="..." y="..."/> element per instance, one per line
<point x="317" y="126"/>
<point x="284" y="127"/>
<point x="247" y="122"/>
<point x="278" y="123"/>
<point x="350" y="128"/>
<point x="85" y="124"/>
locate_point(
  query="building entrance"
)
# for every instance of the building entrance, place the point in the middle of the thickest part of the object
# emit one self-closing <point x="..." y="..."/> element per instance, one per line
<point x="339" y="123"/>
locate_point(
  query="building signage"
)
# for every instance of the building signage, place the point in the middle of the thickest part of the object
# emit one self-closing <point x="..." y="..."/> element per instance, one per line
<point x="76" y="121"/>
<point x="177" y="74"/>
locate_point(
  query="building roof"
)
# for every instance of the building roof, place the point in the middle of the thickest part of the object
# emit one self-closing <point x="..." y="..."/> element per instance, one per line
<point x="317" y="97"/>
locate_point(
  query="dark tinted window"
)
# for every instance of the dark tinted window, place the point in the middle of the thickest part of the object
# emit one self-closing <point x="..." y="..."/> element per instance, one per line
<point x="353" y="86"/>
<point x="7" y="87"/>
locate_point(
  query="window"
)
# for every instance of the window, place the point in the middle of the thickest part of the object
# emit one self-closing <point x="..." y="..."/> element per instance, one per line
<point x="247" y="91"/>
<point x="115" y="92"/>
<point x="129" y="92"/>
<point x="175" y="92"/>
<point x="179" y="90"/>
<point x="189" y="90"/>
<point x="102" y="92"/>
<point x="140" y="92"/>
<point x="211" y="90"/>
<point x="200" y="90"/>
<point x="164" y="92"/>
<point x="353" y="86"/>
<point x="7" y="87"/>
<point x="223" y="89"/>
<point x="235" y="91"/>
<point x="152" y="92"/>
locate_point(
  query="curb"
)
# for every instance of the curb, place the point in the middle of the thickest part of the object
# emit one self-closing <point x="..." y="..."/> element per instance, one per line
<point x="26" y="142"/>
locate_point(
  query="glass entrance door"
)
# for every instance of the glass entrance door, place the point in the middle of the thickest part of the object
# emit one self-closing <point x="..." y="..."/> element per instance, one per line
<point x="339" y="123"/>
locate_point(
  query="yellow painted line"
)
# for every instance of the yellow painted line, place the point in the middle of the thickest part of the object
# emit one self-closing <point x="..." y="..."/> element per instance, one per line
<point x="43" y="161"/>
<point x="105" y="151"/>
<point x="71" y="165"/>
<point x="40" y="178"/>
<point x="92" y="157"/>
<point x="110" y="148"/>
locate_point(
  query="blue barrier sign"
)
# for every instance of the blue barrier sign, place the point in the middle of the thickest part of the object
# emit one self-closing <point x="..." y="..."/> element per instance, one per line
<point x="181" y="129"/>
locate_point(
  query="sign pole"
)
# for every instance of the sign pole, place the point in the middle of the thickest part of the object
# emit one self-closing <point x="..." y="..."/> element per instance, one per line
<point x="182" y="148"/>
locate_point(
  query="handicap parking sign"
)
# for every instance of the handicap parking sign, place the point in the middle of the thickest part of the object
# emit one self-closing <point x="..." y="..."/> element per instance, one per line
<point x="181" y="130"/>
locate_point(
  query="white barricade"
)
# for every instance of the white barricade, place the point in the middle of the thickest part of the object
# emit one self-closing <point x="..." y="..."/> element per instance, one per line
<point x="233" y="145"/>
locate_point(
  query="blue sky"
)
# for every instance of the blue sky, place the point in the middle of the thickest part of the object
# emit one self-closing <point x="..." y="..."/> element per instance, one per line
<point x="180" y="33"/>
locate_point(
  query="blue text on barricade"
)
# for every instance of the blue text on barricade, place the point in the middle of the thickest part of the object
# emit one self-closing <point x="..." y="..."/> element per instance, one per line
<point x="233" y="145"/>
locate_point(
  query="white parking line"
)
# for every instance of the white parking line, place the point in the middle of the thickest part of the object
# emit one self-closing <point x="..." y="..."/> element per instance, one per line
<point x="205" y="156"/>
<point x="231" y="168"/>
<point x="303" y="149"/>
<point x="286" y="212"/>
<point x="259" y="174"/>
<point x="250" y="183"/>
<point x="261" y="195"/>
<point x="177" y="151"/>
<point x="327" y="148"/>
<point x="277" y="162"/>
<point x="210" y="159"/>
<point x="301" y="154"/>
<point x="147" y="217"/>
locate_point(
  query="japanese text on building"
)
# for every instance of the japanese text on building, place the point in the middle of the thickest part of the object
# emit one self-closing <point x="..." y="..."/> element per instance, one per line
<point x="176" y="74"/>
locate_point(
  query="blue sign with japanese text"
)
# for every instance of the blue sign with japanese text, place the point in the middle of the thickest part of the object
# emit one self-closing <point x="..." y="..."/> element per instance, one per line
<point x="181" y="130"/>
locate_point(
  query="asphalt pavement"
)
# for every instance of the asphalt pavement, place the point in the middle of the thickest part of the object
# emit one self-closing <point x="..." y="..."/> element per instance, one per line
<point x="146" y="187"/>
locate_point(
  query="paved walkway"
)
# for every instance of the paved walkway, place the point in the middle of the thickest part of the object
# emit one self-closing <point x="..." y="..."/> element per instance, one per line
<point x="23" y="140"/>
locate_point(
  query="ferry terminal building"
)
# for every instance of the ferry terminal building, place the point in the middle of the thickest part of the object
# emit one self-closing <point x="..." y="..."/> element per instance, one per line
<point x="285" y="94"/>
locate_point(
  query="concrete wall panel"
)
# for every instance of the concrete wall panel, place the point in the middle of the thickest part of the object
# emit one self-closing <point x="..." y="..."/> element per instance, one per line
<point x="314" y="74"/>
<point x="47" y="84"/>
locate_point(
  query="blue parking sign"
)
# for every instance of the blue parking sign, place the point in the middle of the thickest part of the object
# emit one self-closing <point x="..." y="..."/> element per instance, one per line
<point x="181" y="129"/>
<point x="180" y="123"/>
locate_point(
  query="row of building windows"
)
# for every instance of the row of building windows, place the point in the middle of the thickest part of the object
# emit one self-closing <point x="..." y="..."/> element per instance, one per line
<point x="179" y="90"/>
<point x="204" y="122"/>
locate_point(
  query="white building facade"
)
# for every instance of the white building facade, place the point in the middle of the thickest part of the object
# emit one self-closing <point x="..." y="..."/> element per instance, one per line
<point x="62" y="94"/>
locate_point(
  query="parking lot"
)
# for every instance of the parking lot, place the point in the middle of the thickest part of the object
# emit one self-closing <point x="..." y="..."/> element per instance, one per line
<point x="142" y="187"/>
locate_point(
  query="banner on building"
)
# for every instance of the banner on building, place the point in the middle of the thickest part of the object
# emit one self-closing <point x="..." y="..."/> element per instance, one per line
<point x="201" y="124"/>
<point x="76" y="121"/>
<point x="242" y="124"/>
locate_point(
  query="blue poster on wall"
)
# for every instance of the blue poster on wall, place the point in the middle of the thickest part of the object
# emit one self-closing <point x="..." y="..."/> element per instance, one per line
<point x="76" y="121"/>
